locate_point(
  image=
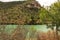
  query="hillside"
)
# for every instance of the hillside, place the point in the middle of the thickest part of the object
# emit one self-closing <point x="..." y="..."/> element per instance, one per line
<point x="19" y="12"/>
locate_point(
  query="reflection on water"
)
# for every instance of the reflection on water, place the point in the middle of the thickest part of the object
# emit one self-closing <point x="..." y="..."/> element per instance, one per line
<point x="10" y="28"/>
<point x="27" y="32"/>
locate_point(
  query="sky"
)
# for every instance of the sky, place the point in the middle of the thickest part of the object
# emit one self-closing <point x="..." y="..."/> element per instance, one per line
<point x="46" y="2"/>
<point x="42" y="2"/>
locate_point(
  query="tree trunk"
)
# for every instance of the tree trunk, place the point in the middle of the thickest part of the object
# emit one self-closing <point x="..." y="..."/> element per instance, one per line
<point x="57" y="36"/>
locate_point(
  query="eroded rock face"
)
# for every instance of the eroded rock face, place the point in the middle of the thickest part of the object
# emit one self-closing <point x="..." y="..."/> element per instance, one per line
<point x="18" y="12"/>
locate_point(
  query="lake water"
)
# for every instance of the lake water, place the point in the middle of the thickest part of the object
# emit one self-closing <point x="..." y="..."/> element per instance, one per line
<point x="10" y="28"/>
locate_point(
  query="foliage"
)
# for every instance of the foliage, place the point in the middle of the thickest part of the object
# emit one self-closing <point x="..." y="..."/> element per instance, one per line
<point x="55" y="13"/>
<point x="17" y="12"/>
<point x="55" y="10"/>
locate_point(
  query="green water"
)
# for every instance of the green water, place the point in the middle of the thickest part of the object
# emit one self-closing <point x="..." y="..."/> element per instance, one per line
<point x="10" y="28"/>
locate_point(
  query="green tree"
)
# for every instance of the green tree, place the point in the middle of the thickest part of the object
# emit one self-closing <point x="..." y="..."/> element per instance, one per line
<point x="44" y="16"/>
<point x="54" y="13"/>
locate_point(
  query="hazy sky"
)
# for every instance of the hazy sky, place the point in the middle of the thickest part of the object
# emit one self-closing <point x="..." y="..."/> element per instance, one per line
<point x="42" y="2"/>
<point x="46" y="2"/>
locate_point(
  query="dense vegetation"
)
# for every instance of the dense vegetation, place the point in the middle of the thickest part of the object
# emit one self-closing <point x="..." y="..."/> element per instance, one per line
<point x="29" y="12"/>
<point x="25" y="13"/>
<point x="19" y="12"/>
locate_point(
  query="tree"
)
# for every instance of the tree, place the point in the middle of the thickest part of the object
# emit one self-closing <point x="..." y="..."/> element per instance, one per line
<point x="54" y="13"/>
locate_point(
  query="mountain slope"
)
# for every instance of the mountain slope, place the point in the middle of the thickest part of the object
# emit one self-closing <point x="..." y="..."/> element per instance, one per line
<point x="20" y="12"/>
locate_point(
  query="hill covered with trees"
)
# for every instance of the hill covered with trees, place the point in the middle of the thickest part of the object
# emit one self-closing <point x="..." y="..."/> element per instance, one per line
<point x="19" y="12"/>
